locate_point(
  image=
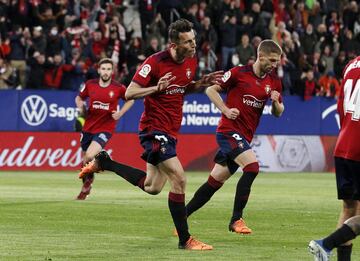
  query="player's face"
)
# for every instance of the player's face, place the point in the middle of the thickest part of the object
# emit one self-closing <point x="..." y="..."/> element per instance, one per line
<point x="105" y="72"/>
<point x="186" y="47"/>
<point x="269" y="62"/>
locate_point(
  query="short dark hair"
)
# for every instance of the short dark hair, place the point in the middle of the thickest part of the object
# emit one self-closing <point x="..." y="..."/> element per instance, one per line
<point x="106" y="60"/>
<point x="179" y="26"/>
<point x="269" y="46"/>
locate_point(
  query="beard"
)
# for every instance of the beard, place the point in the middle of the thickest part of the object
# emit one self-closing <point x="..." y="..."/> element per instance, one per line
<point x="105" y="78"/>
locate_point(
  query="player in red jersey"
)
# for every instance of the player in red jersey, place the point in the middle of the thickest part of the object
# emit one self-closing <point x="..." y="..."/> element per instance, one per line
<point x="163" y="79"/>
<point x="248" y="88"/>
<point x="103" y="96"/>
<point x="347" y="167"/>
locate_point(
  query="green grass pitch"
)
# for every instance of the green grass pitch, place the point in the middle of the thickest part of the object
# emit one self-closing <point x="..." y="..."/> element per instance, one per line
<point x="40" y="220"/>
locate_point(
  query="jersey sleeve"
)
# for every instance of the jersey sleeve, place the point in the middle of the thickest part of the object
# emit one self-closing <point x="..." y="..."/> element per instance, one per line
<point x="84" y="91"/>
<point x="278" y="88"/>
<point x="228" y="79"/>
<point x="146" y="72"/>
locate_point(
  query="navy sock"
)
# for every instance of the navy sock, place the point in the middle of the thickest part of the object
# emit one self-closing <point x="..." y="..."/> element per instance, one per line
<point x="130" y="174"/>
<point x="203" y="195"/>
<point x="243" y="189"/>
<point x="177" y="209"/>
<point x="340" y="236"/>
<point x="344" y="253"/>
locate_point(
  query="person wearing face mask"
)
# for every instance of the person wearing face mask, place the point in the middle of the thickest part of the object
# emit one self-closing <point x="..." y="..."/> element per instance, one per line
<point x="55" y="42"/>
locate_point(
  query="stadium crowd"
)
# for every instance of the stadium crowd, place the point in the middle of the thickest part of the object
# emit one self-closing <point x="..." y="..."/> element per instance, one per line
<point x="55" y="44"/>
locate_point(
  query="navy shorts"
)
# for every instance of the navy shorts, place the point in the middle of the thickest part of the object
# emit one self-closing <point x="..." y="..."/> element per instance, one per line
<point x="347" y="178"/>
<point x="231" y="145"/>
<point x="86" y="138"/>
<point x="158" y="146"/>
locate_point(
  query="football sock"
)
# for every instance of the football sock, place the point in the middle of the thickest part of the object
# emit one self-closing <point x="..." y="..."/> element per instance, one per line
<point x="203" y="195"/>
<point x="177" y="208"/>
<point x="340" y="236"/>
<point x="243" y="190"/>
<point x="344" y="253"/>
<point x="130" y="174"/>
<point x="89" y="177"/>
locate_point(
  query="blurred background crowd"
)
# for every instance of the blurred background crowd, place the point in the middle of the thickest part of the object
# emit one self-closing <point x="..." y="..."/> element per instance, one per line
<point x="55" y="44"/>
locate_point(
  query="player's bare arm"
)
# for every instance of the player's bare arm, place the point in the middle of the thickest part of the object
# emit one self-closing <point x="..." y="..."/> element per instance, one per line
<point x="213" y="92"/>
<point x="277" y="107"/>
<point x="206" y="81"/>
<point x="136" y="91"/>
<point x="80" y="104"/>
<point x="118" y="114"/>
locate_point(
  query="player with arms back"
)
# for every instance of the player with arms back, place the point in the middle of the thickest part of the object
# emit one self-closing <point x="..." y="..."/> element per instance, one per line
<point x="347" y="168"/>
<point x="163" y="79"/>
<point x="101" y="116"/>
<point x="247" y="90"/>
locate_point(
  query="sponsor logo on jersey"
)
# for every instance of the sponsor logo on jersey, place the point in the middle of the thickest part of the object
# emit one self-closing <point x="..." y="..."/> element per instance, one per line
<point x="111" y="94"/>
<point x="145" y="70"/>
<point x="252" y="101"/>
<point x="188" y="73"/>
<point x="175" y="89"/>
<point x="226" y="76"/>
<point x="267" y="89"/>
<point x="101" y="106"/>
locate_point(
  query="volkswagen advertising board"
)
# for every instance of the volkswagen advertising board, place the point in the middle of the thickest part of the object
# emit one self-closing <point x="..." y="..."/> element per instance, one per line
<point x="55" y="111"/>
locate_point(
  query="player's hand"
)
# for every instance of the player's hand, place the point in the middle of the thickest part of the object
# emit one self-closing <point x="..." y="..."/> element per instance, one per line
<point x="116" y="115"/>
<point x="165" y="81"/>
<point x="232" y="113"/>
<point x="275" y="95"/>
<point x="212" y="78"/>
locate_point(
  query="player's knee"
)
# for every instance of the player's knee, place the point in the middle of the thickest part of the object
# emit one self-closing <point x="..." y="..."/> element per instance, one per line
<point x="86" y="158"/>
<point x="252" y="167"/>
<point x="354" y="224"/>
<point x="152" y="190"/>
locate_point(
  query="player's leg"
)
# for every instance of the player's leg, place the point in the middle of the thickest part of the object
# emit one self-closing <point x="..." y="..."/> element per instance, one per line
<point x="247" y="160"/>
<point x="90" y="145"/>
<point x="155" y="179"/>
<point x="176" y="202"/>
<point x="218" y="176"/>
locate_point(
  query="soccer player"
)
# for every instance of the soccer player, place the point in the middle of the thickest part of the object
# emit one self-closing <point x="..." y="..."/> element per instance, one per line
<point x="163" y="79"/>
<point x="248" y="88"/>
<point x="347" y="168"/>
<point x="101" y="116"/>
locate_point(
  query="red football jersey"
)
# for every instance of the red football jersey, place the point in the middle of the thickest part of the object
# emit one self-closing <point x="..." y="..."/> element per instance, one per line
<point x="163" y="111"/>
<point x="249" y="94"/>
<point x="102" y="101"/>
<point x="348" y="145"/>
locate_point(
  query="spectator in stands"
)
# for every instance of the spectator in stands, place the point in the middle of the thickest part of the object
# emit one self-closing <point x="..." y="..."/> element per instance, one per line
<point x="228" y="30"/>
<point x="281" y="14"/>
<point x="208" y="35"/>
<point x="328" y="59"/>
<point x="350" y="44"/>
<point x="36" y="72"/>
<point x="55" y="43"/>
<point x="17" y="55"/>
<point x="245" y="26"/>
<point x="329" y="85"/>
<point x="244" y="50"/>
<point x="96" y="46"/>
<point x="152" y="47"/>
<point x="279" y="32"/>
<point x="309" y="85"/>
<point x="339" y="64"/>
<point x="54" y="71"/>
<point x="7" y="79"/>
<point x="38" y="41"/>
<point x="350" y="15"/>
<point x="308" y="40"/>
<point x="73" y="79"/>
<point x="259" y="25"/>
<point x="147" y="13"/>
<point x="158" y="29"/>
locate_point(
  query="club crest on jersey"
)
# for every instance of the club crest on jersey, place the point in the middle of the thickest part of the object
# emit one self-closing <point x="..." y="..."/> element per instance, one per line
<point x="188" y="73"/>
<point x="145" y="70"/>
<point x="111" y="94"/>
<point x="226" y="76"/>
<point x="241" y="145"/>
<point x="267" y="89"/>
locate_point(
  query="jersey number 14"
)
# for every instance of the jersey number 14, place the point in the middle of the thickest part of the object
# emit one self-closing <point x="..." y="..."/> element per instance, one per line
<point x="352" y="99"/>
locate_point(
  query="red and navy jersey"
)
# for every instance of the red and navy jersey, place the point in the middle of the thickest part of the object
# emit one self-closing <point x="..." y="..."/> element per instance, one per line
<point x="102" y="102"/>
<point x="249" y="94"/>
<point x="348" y="145"/>
<point x="163" y="111"/>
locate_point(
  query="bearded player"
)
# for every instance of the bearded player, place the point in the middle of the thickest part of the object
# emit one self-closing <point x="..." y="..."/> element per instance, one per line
<point x="163" y="79"/>
<point x="103" y="96"/>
